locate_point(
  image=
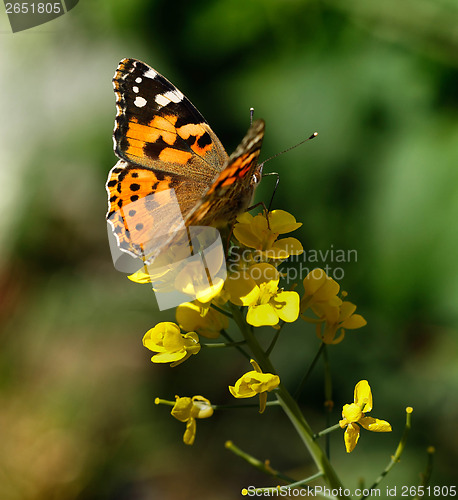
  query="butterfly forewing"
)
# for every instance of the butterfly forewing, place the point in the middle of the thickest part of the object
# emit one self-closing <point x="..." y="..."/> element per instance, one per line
<point x="158" y="127"/>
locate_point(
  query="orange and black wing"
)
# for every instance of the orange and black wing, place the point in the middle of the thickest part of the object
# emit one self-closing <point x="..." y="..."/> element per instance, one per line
<point x="158" y="127"/>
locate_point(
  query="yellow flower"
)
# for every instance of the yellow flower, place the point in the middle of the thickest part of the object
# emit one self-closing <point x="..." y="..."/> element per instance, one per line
<point x="257" y="288"/>
<point x="319" y="289"/>
<point x="354" y="414"/>
<point x="201" y="318"/>
<point x="170" y="344"/>
<point x="187" y="410"/>
<point x="320" y="295"/>
<point x="344" y="318"/>
<point x="254" y="232"/>
<point x="255" y="382"/>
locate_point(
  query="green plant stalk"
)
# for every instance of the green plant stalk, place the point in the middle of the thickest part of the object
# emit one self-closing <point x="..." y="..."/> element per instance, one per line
<point x="258" y="464"/>
<point x="327" y="397"/>
<point x="290" y="407"/>
<point x="397" y="455"/>
<point x="309" y="371"/>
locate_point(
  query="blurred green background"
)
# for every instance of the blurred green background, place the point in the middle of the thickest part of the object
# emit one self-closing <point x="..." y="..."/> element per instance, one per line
<point x="379" y="82"/>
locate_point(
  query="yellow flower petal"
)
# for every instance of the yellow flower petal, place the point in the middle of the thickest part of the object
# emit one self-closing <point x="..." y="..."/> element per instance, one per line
<point x="206" y="294"/>
<point x="318" y="284"/>
<point x="260" y="229"/>
<point x="254" y="382"/>
<point x="255" y="365"/>
<point x="263" y="273"/>
<point x="353" y="322"/>
<point x="287" y="306"/>
<point x="140" y="277"/>
<point x="245" y="235"/>
<point x="201" y="407"/>
<point x="351" y="437"/>
<point x="282" y="222"/>
<point x="154" y="337"/>
<point x="262" y="315"/>
<point x="191" y="342"/>
<point x="245" y="218"/>
<point x="346" y="310"/>
<point x="375" y="424"/>
<point x="363" y="396"/>
<point x="169" y="357"/>
<point x="290" y="246"/>
<point x="262" y="402"/>
<point x="242" y="289"/>
<point x="190" y="432"/>
<point x="206" y="321"/>
<point x="182" y="409"/>
<point x="265" y="382"/>
<point x="352" y="413"/>
<point x="242" y="389"/>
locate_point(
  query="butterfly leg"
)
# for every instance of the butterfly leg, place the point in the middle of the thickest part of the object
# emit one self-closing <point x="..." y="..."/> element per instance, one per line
<point x="277" y="181"/>
<point x="266" y="211"/>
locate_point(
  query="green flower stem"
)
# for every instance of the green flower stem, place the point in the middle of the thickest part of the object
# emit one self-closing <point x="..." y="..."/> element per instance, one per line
<point x="309" y="371"/>
<point x="290" y="406"/>
<point x="274" y="340"/>
<point x="219" y="345"/>
<point x="240" y="349"/>
<point x="426" y="476"/>
<point x="258" y="464"/>
<point x="247" y="405"/>
<point x="327" y="396"/>
<point x="159" y="401"/>
<point x="302" y="427"/>
<point x="222" y="311"/>
<point x="327" y="431"/>
<point x="397" y="456"/>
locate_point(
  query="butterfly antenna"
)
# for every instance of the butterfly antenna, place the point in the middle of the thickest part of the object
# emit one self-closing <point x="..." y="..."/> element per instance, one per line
<point x="289" y="149"/>
<point x="275" y="173"/>
<point x="251" y="115"/>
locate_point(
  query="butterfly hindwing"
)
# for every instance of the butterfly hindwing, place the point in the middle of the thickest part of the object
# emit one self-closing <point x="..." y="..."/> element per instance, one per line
<point x="145" y="204"/>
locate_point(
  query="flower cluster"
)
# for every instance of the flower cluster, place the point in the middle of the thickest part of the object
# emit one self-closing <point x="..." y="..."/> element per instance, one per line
<point x="252" y="295"/>
<point x="253" y="279"/>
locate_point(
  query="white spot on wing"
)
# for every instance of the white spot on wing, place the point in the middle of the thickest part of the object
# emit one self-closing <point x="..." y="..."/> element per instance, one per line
<point x="174" y="95"/>
<point x="138" y="80"/>
<point x="170" y="96"/>
<point x="150" y="73"/>
<point x="135" y="89"/>
<point x="139" y="102"/>
<point x="161" y="100"/>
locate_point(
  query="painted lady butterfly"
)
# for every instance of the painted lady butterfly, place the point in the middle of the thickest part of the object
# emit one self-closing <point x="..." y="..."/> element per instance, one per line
<point x="165" y="146"/>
